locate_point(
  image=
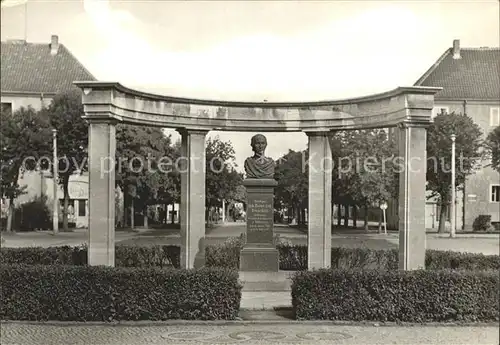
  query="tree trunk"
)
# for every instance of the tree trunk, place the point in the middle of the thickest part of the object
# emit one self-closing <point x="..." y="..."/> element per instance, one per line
<point x="66" y="203"/>
<point x="346" y="216"/>
<point x="173" y="213"/>
<point x="380" y="222"/>
<point x="442" y="218"/>
<point x="355" y="216"/>
<point x="146" y="221"/>
<point x="339" y="215"/>
<point x="132" y="214"/>
<point x="10" y="215"/>
<point x="125" y="208"/>
<point x="366" y="217"/>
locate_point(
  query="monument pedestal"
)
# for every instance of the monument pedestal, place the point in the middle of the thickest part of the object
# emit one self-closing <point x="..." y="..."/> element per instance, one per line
<point x="259" y="252"/>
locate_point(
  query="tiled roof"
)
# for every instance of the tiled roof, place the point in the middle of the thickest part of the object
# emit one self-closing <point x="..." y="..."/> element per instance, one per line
<point x="475" y="76"/>
<point x="30" y="67"/>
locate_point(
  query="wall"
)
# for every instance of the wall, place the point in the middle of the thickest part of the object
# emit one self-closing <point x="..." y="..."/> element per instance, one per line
<point x="17" y="102"/>
<point x="477" y="185"/>
<point x="478" y="196"/>
<point x="41" y="183"/>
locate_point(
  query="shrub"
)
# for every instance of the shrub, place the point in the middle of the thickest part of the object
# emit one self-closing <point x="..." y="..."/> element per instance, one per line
<point x="93" y="293"/>
<point x="364" y="258"/>
<point x="482" y="223"/>
<point x="154" y="256"/>
<point x="33" y="215"/>
<point x="125" y="256"/>
<point x="227" y="254"/>
<point x="437" y="259"/>
<point x="398" y="296"/>
<point x="292" y="258"/>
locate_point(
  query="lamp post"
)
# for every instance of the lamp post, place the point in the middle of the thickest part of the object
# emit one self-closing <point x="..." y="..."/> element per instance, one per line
<point x="55" y="212"/>
<point x="383" y="207"/>
<point x="452" y="206"/>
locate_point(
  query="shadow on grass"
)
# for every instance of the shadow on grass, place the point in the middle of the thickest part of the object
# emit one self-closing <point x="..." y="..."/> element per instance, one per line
<point x="285" y="312"/>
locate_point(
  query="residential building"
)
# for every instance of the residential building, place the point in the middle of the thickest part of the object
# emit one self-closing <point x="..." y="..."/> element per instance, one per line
<point x="470" y="78"/>
<point x="31" y="75"/>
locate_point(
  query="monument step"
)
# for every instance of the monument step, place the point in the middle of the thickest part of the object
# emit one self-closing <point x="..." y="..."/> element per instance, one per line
<point x="266" y="286"/>
<point x="280" y="314"/>
<point x="266" y="281"/>
<point x="265" y="300"/>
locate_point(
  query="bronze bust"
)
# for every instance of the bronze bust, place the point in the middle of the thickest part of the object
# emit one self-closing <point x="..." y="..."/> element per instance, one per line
<point x="259" y="166"/>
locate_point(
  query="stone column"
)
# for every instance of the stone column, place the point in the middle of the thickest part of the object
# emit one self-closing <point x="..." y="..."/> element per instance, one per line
<point x="102" y="147"/>
<point x="319" y="238"/>
<point x="412" y="180"/>
<point x="192" y="207"/>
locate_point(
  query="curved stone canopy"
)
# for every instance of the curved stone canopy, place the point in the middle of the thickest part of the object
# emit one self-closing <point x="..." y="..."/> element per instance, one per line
<point x="111" y="101"/>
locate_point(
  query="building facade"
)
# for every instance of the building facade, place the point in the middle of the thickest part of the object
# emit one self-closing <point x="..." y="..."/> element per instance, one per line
<point x="31" y="75"/>
<point x="471" y="85"/>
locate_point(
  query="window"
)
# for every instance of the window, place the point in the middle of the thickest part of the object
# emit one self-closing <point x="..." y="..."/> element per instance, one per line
<point x="495" y="193"/>
<point x="494" y="117"/>
<point x="438" y="110"/>
<point x="81" y="208"/>
<point x="6" y="107"/>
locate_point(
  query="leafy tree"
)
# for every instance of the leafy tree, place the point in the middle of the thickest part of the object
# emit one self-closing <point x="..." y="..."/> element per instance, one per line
<point x="493" y="147"/>
<point x="222" y="180"/>
<point x="292" y="191"/>
<point x="169" y="191"/>
<point x="341" y="175"/>
<point x="65" y="113"/>
<point x="371" y="174"/>
<point x="468" y="155"/>
<point x="25" y="138"/>
<point x="139" y="149"/>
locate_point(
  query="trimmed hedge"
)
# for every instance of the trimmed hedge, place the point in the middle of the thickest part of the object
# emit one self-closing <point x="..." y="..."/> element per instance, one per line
<point x="397" y="296"/>
<point x="294" y="258"/>
<point x="227" y="255"/>
<point x="125" y="256"/>
<point x="92" y="293"/>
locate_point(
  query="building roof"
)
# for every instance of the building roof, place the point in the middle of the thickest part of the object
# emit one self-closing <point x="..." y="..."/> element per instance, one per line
<point x="39" y="67"/>
<point x="472" y="76"/>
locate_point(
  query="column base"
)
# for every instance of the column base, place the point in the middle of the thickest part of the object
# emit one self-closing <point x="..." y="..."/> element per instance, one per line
<point x="254" y="257"/>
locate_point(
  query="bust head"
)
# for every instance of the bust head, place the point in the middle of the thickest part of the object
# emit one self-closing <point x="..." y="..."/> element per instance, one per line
<point x="259" y="144"/>
<point x="259" y="166"/>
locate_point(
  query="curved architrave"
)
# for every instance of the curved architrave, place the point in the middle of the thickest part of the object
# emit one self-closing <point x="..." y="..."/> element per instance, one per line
<point x="109" y="100"/>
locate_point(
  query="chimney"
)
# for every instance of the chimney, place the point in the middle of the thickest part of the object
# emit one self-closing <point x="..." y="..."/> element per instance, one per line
<point x="54" y="44"/>
<point x="456" y="49"/>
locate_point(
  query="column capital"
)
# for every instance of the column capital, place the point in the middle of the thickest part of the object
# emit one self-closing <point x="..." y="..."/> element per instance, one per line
<point x="187" y="131"/>
<point x="102" y="118"/>
<point x="413" y="124"/>
<point x="317" y="133"/>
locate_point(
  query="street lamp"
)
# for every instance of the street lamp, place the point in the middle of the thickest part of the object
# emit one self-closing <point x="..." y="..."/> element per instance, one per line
<point x="55" y="163"/>
<point x="383" y="207"/>
<point x="452" y="206"/>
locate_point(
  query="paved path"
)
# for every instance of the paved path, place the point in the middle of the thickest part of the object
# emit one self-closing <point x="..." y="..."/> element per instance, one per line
<point x="488" y="244"/>
<point x="244" y="333"/>
<point x="48" y="239"/>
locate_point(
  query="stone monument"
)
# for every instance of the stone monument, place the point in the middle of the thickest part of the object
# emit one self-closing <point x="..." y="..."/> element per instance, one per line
<point x="259" y="252"/>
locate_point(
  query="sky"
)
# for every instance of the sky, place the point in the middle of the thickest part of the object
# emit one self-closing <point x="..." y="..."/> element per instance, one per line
<point x="256" y="50"/>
